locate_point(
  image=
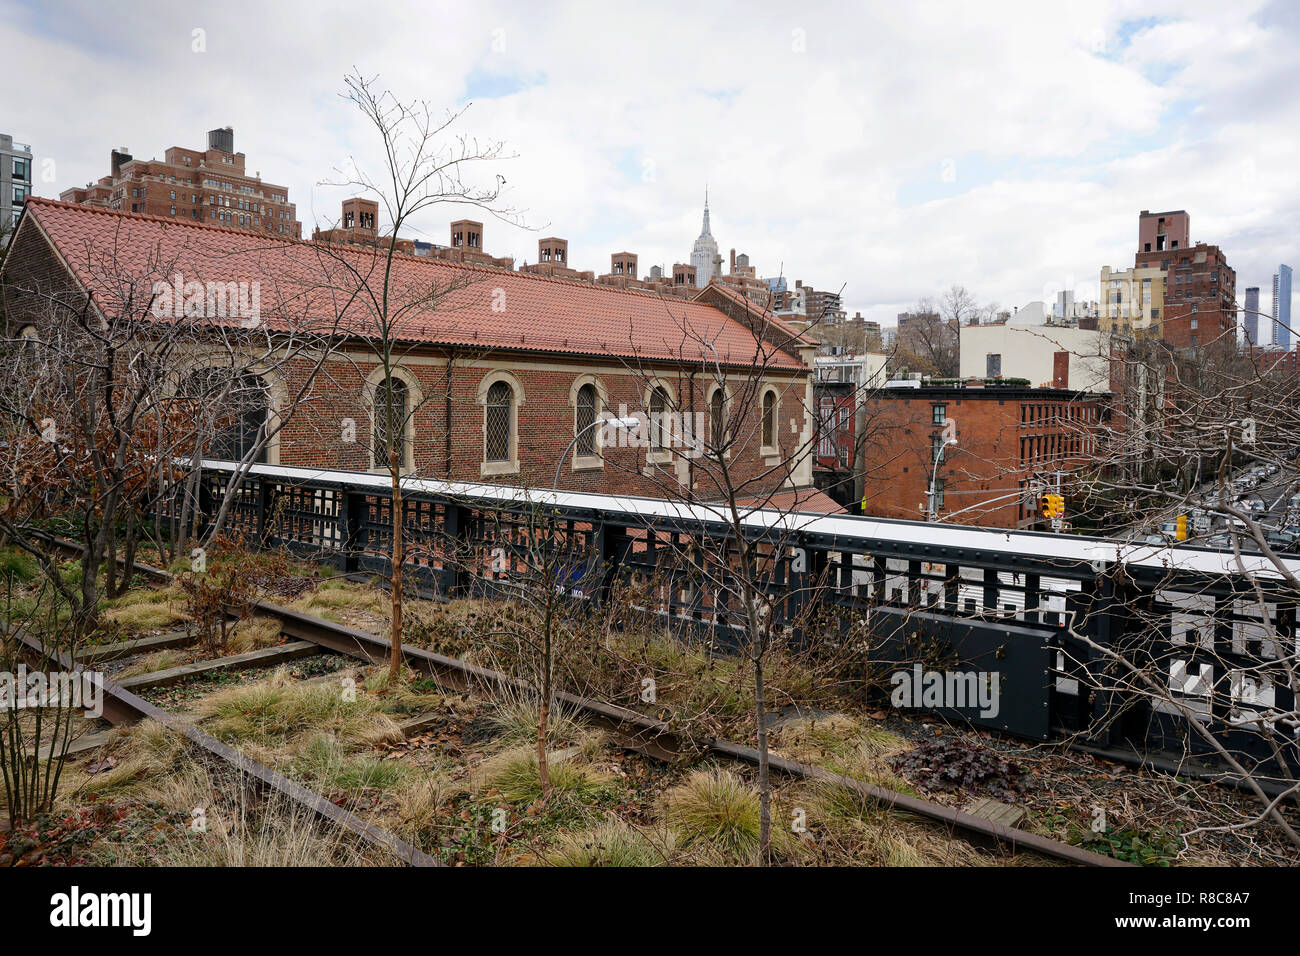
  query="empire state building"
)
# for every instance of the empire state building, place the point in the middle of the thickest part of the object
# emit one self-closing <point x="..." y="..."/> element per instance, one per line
<point x="705" y="253"/>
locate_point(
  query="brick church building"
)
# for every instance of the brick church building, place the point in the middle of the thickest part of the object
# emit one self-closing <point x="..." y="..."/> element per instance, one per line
<point x="503" y="372"/>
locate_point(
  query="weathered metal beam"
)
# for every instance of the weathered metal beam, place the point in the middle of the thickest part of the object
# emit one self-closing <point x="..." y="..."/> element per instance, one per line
<point x="235" y="662"/>
<point x="100" y="653"/>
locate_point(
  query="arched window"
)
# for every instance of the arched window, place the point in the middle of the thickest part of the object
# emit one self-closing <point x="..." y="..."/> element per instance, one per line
<point x="391" y="411"/>
<point x="659" y="437"/>
<point x="496" y="423"/>
<point x="718" y="419"/>
<point x="233" y="413"/>
<point x="769" y="419"/>
<point x="584" y="421"/>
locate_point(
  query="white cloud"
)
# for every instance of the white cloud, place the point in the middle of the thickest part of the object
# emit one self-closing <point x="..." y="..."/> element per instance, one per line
<point x="892" y="150"/>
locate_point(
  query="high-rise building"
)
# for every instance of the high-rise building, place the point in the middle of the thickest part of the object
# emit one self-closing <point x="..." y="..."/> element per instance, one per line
<point x="15" y="182"/>
<point x="208" y="186"/>
<point x="1250" y="321"/>
<point x="1199" y="287"/>
<point x="705" y="256"/>
<point x="1282" y="307"/>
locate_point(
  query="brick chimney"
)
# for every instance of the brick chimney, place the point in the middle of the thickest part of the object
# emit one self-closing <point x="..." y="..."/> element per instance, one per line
<point x="623" y="264"/>
<point x="361" y="215"/>
<point x="117" y="159"/>
<point x="1060" y="370"/>
<point x="467" y="234"/>
<point x="553" y="249"/>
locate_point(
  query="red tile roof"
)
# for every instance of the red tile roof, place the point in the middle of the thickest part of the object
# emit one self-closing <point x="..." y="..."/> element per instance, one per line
<point x="791" y="335"/>
<point x="809" y="500"/>
<point x="479" y="306"/>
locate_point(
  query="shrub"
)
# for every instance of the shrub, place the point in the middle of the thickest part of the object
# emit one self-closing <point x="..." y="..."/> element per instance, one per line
<point x="718" y="813"/>
<point x="949" y="763"/>
<point x="515" y="776"/>
<point x="612" y="843"/>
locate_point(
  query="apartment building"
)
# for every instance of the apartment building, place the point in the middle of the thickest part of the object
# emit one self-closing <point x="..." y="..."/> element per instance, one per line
<point x="211" y="186"/>
<point x="15" y="182"/>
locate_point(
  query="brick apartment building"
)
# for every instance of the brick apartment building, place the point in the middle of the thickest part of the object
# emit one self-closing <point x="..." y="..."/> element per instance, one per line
<point x="836" y="462"/>
<point x="1012" y="445"/>
<point x="1180" y="292"/>
<point x="211" y="186"/>
<point x="502" y="377"/>
<point x="806" y="305"/>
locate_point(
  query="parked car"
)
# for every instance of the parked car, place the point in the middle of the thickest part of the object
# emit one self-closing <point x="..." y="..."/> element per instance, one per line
<point x="1281" y="540"/>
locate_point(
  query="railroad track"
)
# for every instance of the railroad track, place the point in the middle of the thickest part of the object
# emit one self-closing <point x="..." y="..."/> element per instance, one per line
<point x="629" y="729"/>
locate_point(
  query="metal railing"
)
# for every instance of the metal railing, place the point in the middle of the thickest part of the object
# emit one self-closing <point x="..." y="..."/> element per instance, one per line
<point x="1041" y="611"/>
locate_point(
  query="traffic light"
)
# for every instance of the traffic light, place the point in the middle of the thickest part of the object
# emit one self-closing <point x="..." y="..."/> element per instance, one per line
<point x="1053" y="506"/>
<point x="1180" y="528"/>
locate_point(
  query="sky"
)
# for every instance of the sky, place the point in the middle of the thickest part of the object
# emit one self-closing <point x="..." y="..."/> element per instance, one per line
<point x="889" y="150"/>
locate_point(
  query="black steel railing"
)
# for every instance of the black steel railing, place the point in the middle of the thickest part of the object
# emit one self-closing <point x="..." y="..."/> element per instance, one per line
<point x="1046" y="613"/>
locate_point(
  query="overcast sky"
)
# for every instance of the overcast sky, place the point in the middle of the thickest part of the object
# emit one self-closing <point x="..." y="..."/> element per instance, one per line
<point x="889" y="148"/>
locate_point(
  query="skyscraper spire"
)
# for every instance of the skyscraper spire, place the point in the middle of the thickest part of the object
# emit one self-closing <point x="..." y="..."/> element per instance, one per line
<point x="704" y="232"/>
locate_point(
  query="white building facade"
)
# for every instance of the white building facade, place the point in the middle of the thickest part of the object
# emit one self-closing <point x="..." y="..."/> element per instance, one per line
<point x="705" y="254"/>
<point x="1030" y="352"/>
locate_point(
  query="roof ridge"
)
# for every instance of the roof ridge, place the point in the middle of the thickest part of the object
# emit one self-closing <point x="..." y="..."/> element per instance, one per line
<point x="599" y="302"/>
<point x="149" y="217"/>
<point x="362" y="250"/>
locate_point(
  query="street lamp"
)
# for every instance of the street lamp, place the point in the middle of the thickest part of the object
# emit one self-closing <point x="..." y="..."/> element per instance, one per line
<point x="934" y="475"/>
<point x="622" y="423"/>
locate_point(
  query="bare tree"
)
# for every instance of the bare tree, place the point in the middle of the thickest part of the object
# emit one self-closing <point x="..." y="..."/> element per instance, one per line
<point x="1200" y="449"/>
<point x="425" y="165"/>
<point x="726" y="408"/>
<point x="927" y="342"/>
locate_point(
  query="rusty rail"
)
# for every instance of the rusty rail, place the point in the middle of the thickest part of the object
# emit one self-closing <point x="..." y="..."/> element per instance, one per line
<point x="123" y="707"/>
<point x="659" y="739"/>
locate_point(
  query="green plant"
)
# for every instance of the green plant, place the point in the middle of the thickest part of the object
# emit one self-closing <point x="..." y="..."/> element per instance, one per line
<point x="718" y="810"/>
<point x="612" y="843"/>
<point x="331" y="770"/>
<point x="518" y="779"/>
<point x="950" y="763"/>
<point x="17" y="564"/>
<point x="1145" y="848"/>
